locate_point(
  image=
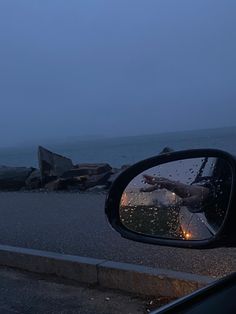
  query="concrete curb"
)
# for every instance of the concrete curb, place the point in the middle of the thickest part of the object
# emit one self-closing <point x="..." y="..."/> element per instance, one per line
<point x="126" y="277"/>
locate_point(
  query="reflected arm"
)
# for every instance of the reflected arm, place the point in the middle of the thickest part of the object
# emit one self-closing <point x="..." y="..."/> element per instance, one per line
<point x="190" y="194"/>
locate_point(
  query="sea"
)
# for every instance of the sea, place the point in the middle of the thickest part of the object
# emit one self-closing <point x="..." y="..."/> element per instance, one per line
<point x="120" y="151"/>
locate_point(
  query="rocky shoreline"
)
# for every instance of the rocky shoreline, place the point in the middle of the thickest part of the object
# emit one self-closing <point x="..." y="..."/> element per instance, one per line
<point x="58" y="173"/>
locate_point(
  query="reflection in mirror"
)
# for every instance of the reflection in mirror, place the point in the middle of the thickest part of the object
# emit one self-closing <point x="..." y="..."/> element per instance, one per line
<point x="185" y="199"/>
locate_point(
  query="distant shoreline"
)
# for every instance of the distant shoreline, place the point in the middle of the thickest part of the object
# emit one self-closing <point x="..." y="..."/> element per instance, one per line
<point x="74" y="139"/>
<point x="125" y="150"/>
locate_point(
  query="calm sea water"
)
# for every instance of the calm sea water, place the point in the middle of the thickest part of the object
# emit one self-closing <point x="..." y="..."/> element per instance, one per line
<point x="125" y="150"/>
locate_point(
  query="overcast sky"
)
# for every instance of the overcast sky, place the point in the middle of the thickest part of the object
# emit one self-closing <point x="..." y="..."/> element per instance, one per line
<point x="115" y="67"/>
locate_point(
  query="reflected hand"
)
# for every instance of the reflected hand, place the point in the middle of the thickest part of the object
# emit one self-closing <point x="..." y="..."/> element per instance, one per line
<point x="191" y="195"/>
<point x="157" y="183"/>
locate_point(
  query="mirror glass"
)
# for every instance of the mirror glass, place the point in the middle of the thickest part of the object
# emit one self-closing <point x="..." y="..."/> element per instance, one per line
<point x="185" y="199"/>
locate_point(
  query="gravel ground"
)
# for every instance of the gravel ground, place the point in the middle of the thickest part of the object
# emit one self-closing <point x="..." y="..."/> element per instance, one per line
<point x="75" y="223"/>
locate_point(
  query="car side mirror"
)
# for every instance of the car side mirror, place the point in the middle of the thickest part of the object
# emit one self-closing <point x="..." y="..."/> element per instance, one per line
<point x="183" y="199"/>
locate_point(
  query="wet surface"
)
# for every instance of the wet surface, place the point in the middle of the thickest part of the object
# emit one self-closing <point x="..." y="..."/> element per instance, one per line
<point x="73" y="223"/>
<point x="22" y="292"/>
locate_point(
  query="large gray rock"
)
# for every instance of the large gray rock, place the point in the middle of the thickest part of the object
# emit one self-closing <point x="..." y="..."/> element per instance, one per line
<point x="52" y="165"/>
<point x="13" y="178"/>
<point x="87" y="170"/>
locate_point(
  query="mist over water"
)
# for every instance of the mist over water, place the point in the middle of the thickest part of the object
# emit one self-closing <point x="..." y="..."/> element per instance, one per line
<point x="124" y="150"/>
<point x="115" y="68"/>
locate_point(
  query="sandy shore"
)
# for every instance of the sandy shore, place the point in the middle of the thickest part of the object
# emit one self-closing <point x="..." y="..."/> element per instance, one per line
<point x="75" y="223"/>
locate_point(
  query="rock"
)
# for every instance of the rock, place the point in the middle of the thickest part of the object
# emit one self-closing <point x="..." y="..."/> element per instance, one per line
<point x="96" y="169"/>
<point x="13" y="178"/>
<point x="115" y="174"/>
<point x="80" y="183"/>
<point x="56" y="185"/>
<point x="166" y="150"/>
<point x="66" y="184"/>
<point x="124" y="167"/>
<point x="98" y="188"/>
<point x="87" y="169"/>
<point x="33" y="181"/>
<point x="101" y="179"/>
<point x="115" y="170"/>
<point x="112" y="178"/>
<point x="52" y="165"/>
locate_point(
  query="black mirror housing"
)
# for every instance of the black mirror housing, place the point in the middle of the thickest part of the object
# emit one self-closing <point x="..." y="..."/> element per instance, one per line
<point x="225" y="235"/>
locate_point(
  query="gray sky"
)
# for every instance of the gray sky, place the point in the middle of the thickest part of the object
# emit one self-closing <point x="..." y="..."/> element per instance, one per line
<point x="115" y="67"/>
